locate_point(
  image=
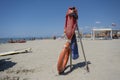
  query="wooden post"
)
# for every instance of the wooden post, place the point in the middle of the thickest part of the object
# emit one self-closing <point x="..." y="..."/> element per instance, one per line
<point x="70" y="60"/>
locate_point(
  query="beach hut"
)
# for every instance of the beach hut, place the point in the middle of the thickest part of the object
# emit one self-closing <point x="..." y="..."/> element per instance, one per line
<point x="104" y="33"/>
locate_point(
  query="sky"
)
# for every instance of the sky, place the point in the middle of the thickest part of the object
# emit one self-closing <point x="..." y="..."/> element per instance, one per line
<point x="37" y="18"/>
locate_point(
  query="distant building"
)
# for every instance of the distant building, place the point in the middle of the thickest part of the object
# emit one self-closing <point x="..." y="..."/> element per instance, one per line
<point x="105" y="33"/>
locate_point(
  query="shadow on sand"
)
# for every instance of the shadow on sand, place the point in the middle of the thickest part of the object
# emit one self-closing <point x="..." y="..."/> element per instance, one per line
<point x="6" y="64"/>
<point x="74" y="66"/>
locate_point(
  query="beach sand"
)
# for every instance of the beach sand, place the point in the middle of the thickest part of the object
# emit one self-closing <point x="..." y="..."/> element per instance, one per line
<point x="41" y="64"/>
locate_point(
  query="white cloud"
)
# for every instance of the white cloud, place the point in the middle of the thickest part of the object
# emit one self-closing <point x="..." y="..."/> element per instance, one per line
<point x="97" y="22"/>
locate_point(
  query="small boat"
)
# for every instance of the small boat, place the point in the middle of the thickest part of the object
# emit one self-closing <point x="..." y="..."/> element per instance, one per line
<point x="21" y="41"/>
<point x="17" y="41"/>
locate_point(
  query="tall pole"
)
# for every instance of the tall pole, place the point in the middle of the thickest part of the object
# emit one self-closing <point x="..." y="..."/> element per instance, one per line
<point x="83" y="50"/>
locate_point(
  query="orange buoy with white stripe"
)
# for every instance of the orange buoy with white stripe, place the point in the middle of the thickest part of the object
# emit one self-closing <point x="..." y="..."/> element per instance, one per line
<point x="63" y="58"/>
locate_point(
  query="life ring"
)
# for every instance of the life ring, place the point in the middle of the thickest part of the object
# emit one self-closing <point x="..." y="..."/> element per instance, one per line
<point x="63" y="58"/>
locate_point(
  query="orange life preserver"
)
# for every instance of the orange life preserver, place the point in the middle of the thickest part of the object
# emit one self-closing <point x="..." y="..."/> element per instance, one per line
<point x="63" y="58"/>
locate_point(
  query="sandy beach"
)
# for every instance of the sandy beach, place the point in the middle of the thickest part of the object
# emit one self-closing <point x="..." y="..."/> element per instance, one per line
<point x="41" y="64"/>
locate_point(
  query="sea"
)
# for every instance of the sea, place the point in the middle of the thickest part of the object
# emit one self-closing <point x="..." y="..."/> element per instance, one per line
<point x="5" y="40"/>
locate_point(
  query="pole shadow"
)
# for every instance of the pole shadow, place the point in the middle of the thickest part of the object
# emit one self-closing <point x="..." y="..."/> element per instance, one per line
<point x="74" y="66"/>
<point x="6" y="64"/>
